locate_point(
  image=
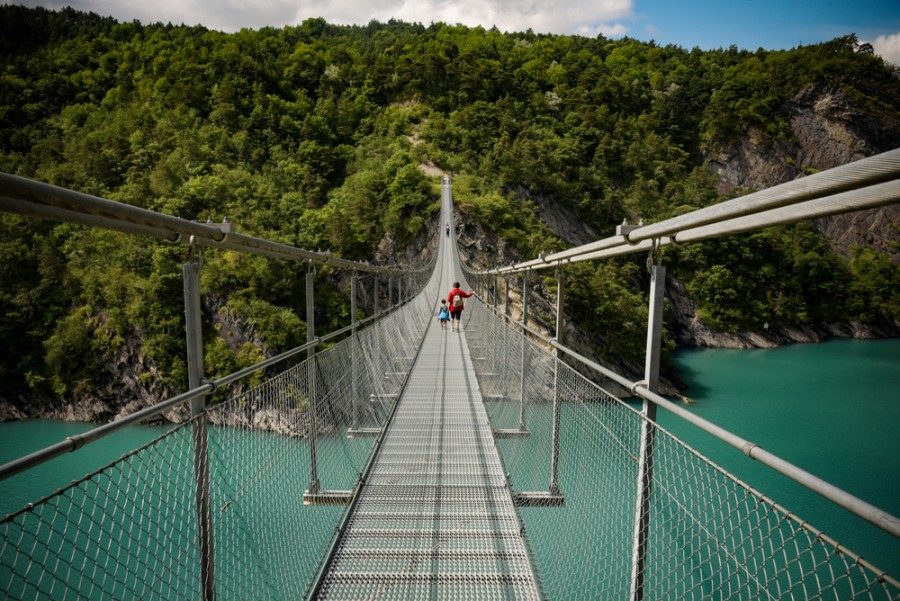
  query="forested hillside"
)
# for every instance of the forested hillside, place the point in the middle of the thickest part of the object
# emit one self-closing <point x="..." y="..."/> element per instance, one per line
<point x="314" y="135"/>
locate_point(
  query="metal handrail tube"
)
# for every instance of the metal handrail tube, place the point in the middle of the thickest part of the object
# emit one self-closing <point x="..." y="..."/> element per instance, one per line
<point x="12" y="205"/>
<point x="865" y="184"/>
<point x="73" y="443"/>
<point x="851" y="503"/>
<point x="622" y="249"/>
<point x="539" y="335"/>
<point x="21" y="195"/>
<point x="859" y="174"/>
<point x="874" y="196"/>
<point x="26" y="190"/>
<point x="597" y="245"/>
<point x="871" y="197"/>
<point x="276" y="250"/>
<point x="594" y="365"/>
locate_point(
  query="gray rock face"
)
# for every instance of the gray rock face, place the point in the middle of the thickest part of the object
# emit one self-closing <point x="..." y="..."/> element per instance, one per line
<point x="828" y="129"/>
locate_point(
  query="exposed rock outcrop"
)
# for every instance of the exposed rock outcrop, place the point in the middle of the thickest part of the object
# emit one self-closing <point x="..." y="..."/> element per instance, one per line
<point x="829" y="129"/>
<point x="688" y="330"/>
<point x="131" y="382"/>
<point x="561" y="220"/>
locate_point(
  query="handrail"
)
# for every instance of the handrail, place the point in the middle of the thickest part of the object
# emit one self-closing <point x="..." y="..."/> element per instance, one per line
<point x="851" y="503"/>
<point x="852" y="176"/>
<point x="865" y="184"/>
<point x="73" y="443"/>
<point x="38" y="199"/>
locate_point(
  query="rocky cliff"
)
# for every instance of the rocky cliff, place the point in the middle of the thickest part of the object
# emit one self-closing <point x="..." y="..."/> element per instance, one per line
<point x="130" y="382"/>
<point x="829" y="128"/>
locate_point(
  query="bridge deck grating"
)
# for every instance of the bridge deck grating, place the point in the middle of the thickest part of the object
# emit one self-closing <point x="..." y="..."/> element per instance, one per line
<point x="435" y="518"/>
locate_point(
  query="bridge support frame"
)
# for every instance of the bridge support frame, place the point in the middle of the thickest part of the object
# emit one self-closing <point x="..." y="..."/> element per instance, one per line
<point x="354" y="361"/>
<point x="504" y="390"/>
<point x="524" y="350"/>
<point x="560" y="325"/>
<point x="645" y="468"/>
<point x="375" y="291"/>
<point x="311" y="382"/>
<point x="199" y="434"/>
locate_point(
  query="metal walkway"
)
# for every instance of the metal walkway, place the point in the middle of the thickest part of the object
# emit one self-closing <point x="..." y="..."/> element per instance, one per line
<point x="435" y="518"/>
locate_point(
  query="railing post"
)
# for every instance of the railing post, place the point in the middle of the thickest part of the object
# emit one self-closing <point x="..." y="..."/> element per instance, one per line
<point x="524" y="348"/>
<point x="390" y="291"/>
<point x="375" y="292"/>
<point x="507" y="331"/>
<point x="311" y="383"/>
<point x="194" y="338"/>
<point x="491" y="337"/>
<point x="354" y="367"/>
<point x="496" y="291"/>
<point x="506" y="295"/>
<point x="560" y="324"/>
<point x="648" y="432"/>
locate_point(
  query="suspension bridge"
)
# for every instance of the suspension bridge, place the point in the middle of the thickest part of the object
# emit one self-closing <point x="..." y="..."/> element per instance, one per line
<point x="406" y="461"/>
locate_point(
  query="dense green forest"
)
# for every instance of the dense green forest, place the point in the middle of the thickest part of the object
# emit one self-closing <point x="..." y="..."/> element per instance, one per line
<point x="313" y="135"/>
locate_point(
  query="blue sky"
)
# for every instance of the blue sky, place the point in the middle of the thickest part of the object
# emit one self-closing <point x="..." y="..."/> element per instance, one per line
<point x="769" y="24"/>
<point x="708" y="24"/>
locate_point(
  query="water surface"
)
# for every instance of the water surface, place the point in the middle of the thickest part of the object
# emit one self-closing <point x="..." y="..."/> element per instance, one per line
<point x="832" y="409"/>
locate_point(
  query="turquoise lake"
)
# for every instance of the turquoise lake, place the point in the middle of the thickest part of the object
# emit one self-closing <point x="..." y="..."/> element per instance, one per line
<point x="832" y="409"/>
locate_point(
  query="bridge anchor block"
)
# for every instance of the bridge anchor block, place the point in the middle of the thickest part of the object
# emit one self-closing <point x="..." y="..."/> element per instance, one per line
<point x="512" y="433"/>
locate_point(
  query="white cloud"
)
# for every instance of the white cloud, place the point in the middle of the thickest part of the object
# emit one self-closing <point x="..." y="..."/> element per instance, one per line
<point x="888" y="47"/>
<point x="583" y="17"/>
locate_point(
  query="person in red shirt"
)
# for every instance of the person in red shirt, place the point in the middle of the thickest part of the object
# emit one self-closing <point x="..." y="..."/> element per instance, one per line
<point x="455" y="300"/>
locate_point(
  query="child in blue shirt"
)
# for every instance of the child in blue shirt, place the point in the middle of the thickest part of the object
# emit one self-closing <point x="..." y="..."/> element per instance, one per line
<point x="444" y="315"/>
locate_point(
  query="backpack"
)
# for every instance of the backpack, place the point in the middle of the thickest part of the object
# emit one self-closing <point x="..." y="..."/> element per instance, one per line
<point x="457" y="301"/>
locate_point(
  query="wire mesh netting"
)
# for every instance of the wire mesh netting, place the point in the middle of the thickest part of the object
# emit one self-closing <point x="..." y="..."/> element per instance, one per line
<point x="129" y="530"/>
<point x="710" y="536"/>
<point x="125" y="532"/>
